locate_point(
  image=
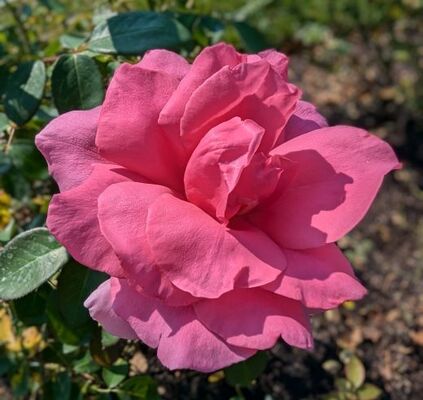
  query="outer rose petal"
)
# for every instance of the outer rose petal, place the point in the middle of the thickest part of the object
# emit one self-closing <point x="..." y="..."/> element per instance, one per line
<point x="68" y="145"/>
<point x="122" y="213"/>
<point x="306" y="118"/>
<point x="279" y="61"/>
<point x="320" y="278"/>
<point x="99" y="305"/>
<point x="208" y="62"/>
<point x="217" y="163"/>
<point x="193" y="346"/>
<point x="128" y="132"/>
<point x="250" y="91"/>
<point x="165" y="61"/>
<point x="182" y="341"/>
<point x="255" y="318"/>
<point x="72" y="219"/>
<point x="203" y="257"/>
<point x="331" y="191"/>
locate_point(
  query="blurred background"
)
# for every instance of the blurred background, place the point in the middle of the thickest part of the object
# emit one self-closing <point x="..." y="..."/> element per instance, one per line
<point x="359" y="61"/>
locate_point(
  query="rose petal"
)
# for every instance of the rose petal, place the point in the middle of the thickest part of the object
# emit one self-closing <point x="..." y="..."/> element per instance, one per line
<point x="255" y="318"/>
<point x="99" y="304"/>
<point x="72" y="219"/>
<point x="182" y="341"/>
<point x="279" y="61"/>
<point x="165" y="61"/>
<point x="208" y="62"/>
<point x="217" y="163"/>
<point x="128" y="132"/>
<point x="122" y="214"/>
<point x="305" y="119"/>
<point x="249" y="91"/>
<point x="331" y="191"/>
<point x="68" y="145"/>
<point x="320" y="278"/>
<point x="193" y="346"/>
<point x="203" y="257"/>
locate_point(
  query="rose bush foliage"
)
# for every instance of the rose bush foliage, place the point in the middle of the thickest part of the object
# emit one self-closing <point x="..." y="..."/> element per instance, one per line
<point x="213" y="197"/>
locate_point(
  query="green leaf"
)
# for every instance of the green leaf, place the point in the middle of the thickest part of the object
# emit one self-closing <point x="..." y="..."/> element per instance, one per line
<point x="141" y="387"/>
<point x="29" y="260"/>
<point x="355" y="372"/>
<point x="253" y="39"/>
<point x="4" y="74"/>
<point x="28" y="160"/>
<point x="76" y="83"/>
<point x="24" y="91"/>
<point x="75" y="284"/>
<point x="115" y="374"/>
<point x="31" y="309"/>
<point x="244" y="372"/>
<point x="8" y="231"/>
<point x="59" y="388"/>
<point x="58" y="325"/>
<point x="107" y="339"/>
<point x="369" y="392"/>
<point x="71" y="41"/>
<point x="4" y="122"/>
<point x="85" y="364"/>
<point x="14" y="182"/>
<point x="251" y="7"/>
<point x="136" y="32"/>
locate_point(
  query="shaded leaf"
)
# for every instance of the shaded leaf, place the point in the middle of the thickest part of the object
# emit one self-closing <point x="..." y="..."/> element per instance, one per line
<point x="24" y="91"/>
<point x="75" y="284"/>
<point x="59" y="388"/>
<point x="58" y="325"/>
<point x="29" y="260"/>
<point x="136" y="32"/>
<point x="140" y="387"/>
<point x="76" y="83"/>
<point x="252" y="39"/>
<point x="31" y="309"/>
<point x="28" y="160"/>
<point x="245" y="372"/>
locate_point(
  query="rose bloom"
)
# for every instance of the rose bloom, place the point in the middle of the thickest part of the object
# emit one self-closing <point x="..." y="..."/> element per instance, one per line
<point x="213" y="197"/>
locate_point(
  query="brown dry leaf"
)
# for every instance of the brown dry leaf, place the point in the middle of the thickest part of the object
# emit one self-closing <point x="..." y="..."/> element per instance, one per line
<point x="417" y="337"/>
<point x="372" y="333"/>
<point x="350" y="340"/>
<point x="392" y="315"/>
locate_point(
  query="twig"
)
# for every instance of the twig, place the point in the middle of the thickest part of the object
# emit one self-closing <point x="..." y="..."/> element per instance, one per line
<point x="11" y="133"/>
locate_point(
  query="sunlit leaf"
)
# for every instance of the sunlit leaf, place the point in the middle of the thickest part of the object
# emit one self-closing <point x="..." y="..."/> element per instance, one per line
<point x="369" y="392"/>
<point x="136" y="32"/>
<point x="28" y="261"/>
<point x="355" y="372"/>
<point x="115" y="374"/>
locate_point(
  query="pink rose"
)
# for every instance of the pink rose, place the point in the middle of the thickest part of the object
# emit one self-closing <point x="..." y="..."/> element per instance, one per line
<point x="213" y="197"/>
